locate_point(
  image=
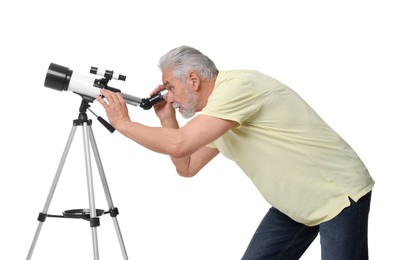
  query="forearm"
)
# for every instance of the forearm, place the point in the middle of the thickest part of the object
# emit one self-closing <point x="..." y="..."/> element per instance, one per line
<point x="158" y="139"/>
<point x="170" y="123"/>
<point x="181" y="164"/>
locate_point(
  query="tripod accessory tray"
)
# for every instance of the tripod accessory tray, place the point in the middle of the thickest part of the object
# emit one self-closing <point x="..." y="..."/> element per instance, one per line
<point x="84" y="214"/>
<point x="81" y="213"/>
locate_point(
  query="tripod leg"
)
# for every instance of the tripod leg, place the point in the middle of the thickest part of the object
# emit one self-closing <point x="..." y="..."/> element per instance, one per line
<point x="42" y="215"/>
<point x="94" y="220"/>
<point x="107" y="192"/>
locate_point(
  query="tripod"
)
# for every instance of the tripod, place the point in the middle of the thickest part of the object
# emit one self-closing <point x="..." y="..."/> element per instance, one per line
<point x="92" y="214"/>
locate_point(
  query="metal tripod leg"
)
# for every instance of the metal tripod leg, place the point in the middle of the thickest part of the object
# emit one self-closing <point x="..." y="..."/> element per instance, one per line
<point x="94" y="220"/>
<point x="42" y="215"/>
<point x="107" y="192"/>
<point x="88" y="139"/>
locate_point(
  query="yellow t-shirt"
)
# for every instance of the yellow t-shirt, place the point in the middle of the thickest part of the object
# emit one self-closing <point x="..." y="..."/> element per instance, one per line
<point x="299" y="164"/>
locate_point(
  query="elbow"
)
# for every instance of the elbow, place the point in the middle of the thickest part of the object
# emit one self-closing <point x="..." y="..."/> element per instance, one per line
<point x="183" y="167"/>
<point x="186" y="174"/>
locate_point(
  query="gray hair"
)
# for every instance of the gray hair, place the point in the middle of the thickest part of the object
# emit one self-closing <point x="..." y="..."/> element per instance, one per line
<point x="182" y="60"/>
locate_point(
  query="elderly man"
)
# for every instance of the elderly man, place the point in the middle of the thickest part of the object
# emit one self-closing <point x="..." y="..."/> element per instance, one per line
<point x="314" y="181"/>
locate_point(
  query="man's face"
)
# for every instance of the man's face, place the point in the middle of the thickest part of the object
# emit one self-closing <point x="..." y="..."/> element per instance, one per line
<point x="180" y="94"/>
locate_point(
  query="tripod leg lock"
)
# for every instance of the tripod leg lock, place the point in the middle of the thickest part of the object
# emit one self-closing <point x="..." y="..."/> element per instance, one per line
<point x="42" y="217"/>
<point x="94" y="222"/>
<point x="114" y="212"/>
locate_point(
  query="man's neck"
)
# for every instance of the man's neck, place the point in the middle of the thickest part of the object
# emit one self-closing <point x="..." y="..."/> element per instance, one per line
<point x="206" y="90"/>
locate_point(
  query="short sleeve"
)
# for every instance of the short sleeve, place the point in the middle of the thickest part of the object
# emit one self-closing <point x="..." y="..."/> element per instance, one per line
<point x="233" y="99"/>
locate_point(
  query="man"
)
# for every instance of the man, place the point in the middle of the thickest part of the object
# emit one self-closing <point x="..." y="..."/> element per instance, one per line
<point x="313" y="179"/>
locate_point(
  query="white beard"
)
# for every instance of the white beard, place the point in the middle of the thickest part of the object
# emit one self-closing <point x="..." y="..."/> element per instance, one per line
<point x="187" y="111"/>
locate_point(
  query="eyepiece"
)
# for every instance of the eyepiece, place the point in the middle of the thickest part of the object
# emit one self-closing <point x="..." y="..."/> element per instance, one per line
<point x="148" y="103"/>
<point x="58" y="77"/>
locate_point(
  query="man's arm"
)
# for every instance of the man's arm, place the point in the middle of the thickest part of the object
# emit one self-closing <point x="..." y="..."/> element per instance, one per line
<point x="186" y="146"/>
<point x="189" y="166"/>
<point x="180" y="142"/>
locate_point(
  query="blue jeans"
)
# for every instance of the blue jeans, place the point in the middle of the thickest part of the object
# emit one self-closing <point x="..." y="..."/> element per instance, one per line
<point x="345" y="237"/>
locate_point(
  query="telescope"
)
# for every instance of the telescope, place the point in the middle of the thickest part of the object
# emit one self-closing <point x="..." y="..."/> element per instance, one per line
<point x="62" y="79"/>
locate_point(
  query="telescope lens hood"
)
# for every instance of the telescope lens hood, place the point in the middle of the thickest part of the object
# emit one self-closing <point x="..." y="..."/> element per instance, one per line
<point x="58" y="77"/>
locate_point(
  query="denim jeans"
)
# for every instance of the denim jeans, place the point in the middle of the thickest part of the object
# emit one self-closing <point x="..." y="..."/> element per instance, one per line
<point x="345" y="237"/>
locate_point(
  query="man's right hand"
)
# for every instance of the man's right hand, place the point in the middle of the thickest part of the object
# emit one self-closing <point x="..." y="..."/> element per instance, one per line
<point x="164" y="110"/>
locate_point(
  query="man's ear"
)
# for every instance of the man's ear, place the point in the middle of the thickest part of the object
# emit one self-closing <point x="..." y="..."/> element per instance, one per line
<point x="194" y="80"/>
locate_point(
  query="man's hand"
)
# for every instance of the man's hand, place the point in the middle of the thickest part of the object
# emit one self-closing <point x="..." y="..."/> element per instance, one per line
<point x="164" y="111"/>
<point x="116" y="108"/>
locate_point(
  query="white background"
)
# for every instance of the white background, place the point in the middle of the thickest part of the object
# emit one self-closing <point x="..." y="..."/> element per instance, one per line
<point x="343" y="57"/>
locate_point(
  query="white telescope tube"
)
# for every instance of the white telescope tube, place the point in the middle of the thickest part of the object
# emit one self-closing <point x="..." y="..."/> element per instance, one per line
<point x="62" y="78"/>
